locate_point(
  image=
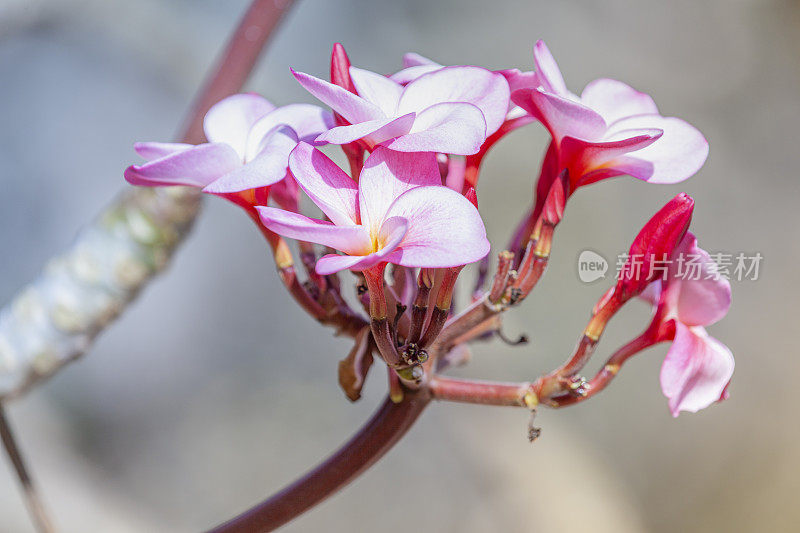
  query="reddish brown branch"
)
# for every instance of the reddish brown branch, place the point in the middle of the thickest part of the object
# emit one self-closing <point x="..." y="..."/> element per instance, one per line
<point x="375" y="438"/>
<point x="482" y="392"/>
<point x="606" y="374"/>
<point x="237" y="61"/>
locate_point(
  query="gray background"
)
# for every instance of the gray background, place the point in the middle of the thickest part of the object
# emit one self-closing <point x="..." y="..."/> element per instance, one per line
<point x="214" y="389"/>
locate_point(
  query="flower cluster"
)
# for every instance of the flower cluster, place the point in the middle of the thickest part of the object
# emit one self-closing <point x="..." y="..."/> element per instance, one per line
<point x="415" y="142"/>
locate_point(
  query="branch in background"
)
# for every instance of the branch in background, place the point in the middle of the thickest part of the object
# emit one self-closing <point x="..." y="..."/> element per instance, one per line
<point x="56" y="318"/>
<point x="32" y="500"/>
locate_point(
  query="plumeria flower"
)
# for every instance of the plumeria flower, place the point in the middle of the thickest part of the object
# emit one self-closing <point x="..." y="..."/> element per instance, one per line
<point x="249" y="145"/>
<point x="697" y="368"/>
<point x="450" y="110"/>
<point x="398" y="212"/>
<point x="609" y="130"/>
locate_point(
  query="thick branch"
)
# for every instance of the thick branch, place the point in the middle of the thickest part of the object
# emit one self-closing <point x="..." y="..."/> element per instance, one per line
<point x="375" y="438"/>
<point x="56" y="318"/>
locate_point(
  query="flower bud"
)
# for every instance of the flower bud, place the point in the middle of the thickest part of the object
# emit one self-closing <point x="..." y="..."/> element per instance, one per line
<point x="340" y="68"/>
<point x="654" y="243"/>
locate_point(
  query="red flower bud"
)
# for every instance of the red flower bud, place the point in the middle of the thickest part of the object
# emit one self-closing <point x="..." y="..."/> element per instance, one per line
<point x="472" y="196"/>
<point x="653" y="246"/>
<point x="340" y="68"/>
<point x="340" y="75"/>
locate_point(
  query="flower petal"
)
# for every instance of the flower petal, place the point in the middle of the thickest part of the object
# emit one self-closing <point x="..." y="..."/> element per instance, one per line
<point x="582" y="157"/>
<point x="156" y="150"/>
<point x="703" y="296"/>
<point x="325" y="183"/>
<point x="450" y="128"/>
<point x="306" y="120"/>
<point x="388" y="174"/>
<point x="444" y="229"/>
<point x="549" y="74"/>
<point x="677" y="155"/>
<point x="409" y="74"/>
<point x="560" y="115"/>
<point x="267" y="168"/>
<point x="413" y="59"/>
<point x="696" y="370"/>
<point x="373" y="131"/>
<point x="229" y="120"/>
<point x="390" y="239"/>
<point x="351" y="106"/>
<point x="377" y="89"/>
<point x="615" y="100"/>
<point x="486" y="90"/>
<point x="195" y="167"/>
<point x="349" y="239"/>
<point x="518" y="79"/>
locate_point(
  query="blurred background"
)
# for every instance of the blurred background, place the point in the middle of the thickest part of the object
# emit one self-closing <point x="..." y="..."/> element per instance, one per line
<point x="214" y="389"/>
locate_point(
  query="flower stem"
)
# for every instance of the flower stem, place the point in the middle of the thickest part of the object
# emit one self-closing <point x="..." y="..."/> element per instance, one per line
<point x="389" y="423"/>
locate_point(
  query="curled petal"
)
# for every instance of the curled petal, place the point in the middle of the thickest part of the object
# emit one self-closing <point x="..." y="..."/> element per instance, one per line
<point x="195" y="167"/>
<point x="696" y="370"/>
<point x="450" y="128"/>
<point x="702" y="297"/>
<point x="562" y="116"/>
<point x="582" y="157"/>
<point x="229" y="121"/>
<point x="349" y="239"/>
<point x="375" y="131"/>
<point x="486" y="90"/>
<point x="615" y="100"/>
<point x="549" y="74"/>
<point x="325" y="183"/>
<point x="156" y="150"/>
<point x="380" y="90"/>
<point x="444" y="229"/>
<point x="267" y="168"/>
<point x="388" y="174"/>
<point x="678" y="154"/>
<point x="351" y="106"/>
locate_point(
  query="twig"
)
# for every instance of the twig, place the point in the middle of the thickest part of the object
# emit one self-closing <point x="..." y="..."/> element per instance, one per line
<point x="55" y="319"/>
<point x="376" y="437"/>
<point x="37" y="512"/>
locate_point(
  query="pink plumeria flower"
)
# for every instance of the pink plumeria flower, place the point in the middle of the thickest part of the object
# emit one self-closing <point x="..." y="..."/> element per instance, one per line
<point x="249" y="145"/>
<point x="450" y="110"/>
<point x="398" y="212"/>
<point x="610" y="129"/>
<point x="697" y="368"/>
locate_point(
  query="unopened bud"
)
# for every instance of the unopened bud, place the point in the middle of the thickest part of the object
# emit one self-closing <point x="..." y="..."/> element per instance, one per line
<point x="653" y="245"/>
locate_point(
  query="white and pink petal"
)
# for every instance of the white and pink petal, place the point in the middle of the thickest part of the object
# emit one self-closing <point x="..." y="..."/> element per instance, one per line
<point x="328" y="186"/>
<point x="195" y="167"/>
<point x="696" y="370"/>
